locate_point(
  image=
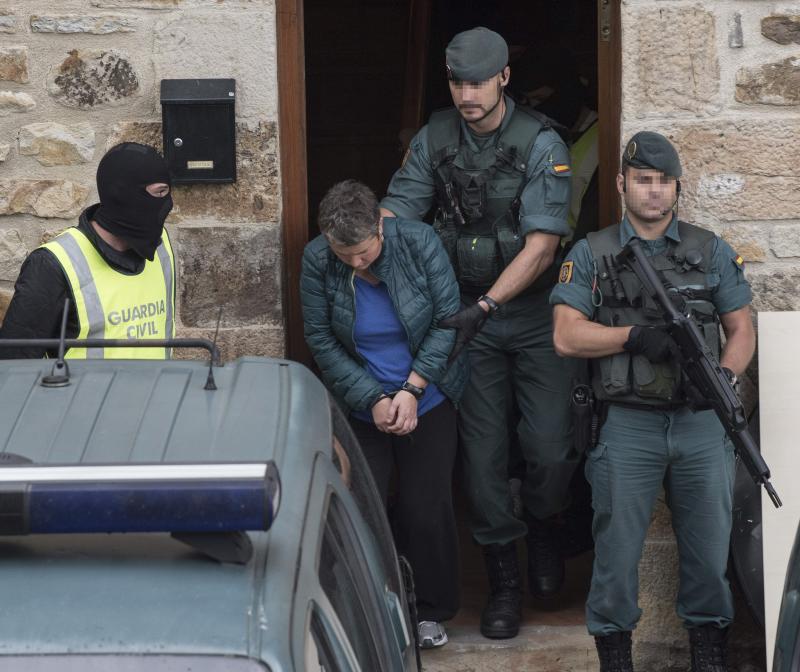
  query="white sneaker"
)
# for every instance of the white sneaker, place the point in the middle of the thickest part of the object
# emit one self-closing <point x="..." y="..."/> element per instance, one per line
<point x="431" y="634"/>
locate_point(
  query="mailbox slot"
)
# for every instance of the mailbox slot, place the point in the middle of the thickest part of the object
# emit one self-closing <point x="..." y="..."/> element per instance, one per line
<point x="199" y="126"/>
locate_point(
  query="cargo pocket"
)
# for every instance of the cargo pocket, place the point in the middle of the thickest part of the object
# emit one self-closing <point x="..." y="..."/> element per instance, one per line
<point x="598" y="473"/>
<point x="478" y="261"/>
<point x="509" y="242"/>
<point x="729" y="453"/>
<point x="556" y="184"/>
<point x="615" y="374"/>
<point x="655" y="381"/>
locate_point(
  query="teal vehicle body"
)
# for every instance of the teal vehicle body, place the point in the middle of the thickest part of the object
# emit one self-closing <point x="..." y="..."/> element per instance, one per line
<point x="321" y="589"/>
<point x="787" y="639"/>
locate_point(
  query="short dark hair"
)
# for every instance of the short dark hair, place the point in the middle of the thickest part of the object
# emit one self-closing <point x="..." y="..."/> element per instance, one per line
<point x="348" y="213"/>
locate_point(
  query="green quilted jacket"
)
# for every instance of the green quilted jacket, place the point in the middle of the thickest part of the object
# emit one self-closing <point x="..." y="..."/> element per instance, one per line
<point x="416" y="270"/>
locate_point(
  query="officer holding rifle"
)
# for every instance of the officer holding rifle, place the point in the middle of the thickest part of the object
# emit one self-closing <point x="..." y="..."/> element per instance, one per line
<point x="653" y="433"/>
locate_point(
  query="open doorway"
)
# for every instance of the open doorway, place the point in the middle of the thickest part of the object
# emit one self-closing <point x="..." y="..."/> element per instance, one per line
<point x="372" y="68"/>
<point x="375" y="72"/>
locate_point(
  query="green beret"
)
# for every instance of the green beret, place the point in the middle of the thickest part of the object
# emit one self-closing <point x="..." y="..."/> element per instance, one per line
<point x="476" y="55"/>
<point x="652" y="150"/>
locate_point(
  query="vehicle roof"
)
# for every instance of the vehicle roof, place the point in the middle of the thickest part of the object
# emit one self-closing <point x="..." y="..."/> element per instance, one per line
<point x="148" y="593"/>
<point x="158" y="411"/>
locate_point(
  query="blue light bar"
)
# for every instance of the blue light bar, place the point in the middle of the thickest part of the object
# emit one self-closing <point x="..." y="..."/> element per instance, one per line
<point x="138" y="498"/>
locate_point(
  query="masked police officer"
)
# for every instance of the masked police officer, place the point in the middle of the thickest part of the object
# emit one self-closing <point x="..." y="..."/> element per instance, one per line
<point x="116" y="266"/>
<point x="498" y="177"/>
<point x="650" y="437"/>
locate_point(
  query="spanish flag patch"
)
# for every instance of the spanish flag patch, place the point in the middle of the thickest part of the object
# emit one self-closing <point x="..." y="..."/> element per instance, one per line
<point x="565" y="274"/>
<point x="739" y="261"/>
<point x="561" y="167"/>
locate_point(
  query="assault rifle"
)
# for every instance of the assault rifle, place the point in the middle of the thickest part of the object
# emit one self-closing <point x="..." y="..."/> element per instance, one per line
<point x="700" y="366"/>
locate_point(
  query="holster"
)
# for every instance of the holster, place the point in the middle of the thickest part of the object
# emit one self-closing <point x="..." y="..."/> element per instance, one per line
<point x="582" y="402"/>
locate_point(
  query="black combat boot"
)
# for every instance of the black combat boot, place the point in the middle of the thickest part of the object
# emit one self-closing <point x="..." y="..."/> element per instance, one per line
<point x="709" y="648"/>
<point x="545" y="560"/>
<point x="501" y="616"/>
<point x="614" y="651"/>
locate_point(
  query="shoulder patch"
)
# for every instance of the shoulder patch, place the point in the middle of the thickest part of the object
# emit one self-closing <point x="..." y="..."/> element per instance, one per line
<point x="739" y="261"/>
<point x="561" y="167"/>
<point x="565" y="274"/>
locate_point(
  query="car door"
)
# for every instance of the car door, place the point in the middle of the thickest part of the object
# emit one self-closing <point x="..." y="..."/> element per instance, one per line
<point x="351" y="612"/>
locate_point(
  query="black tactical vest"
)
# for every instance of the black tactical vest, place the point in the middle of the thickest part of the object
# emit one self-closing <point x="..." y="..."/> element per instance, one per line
<point x="478" y="197"/>
<point x="685" y="266"/>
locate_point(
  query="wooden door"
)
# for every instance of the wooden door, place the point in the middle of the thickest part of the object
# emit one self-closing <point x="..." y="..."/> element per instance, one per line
<point x="293" y="147"/>
<point x="609" y="83"/>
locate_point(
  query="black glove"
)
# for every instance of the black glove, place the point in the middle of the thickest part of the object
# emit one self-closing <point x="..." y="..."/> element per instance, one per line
<point x="652" y="342"/>
<point x="468" y="322"/>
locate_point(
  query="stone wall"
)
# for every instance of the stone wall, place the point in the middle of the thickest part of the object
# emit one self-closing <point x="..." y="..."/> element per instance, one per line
<point x="78" y="76"/>
<point x="722" y="79"/>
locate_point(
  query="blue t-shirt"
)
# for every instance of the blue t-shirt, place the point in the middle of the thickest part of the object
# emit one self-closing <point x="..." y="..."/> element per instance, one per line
<point x="382" y="341"/>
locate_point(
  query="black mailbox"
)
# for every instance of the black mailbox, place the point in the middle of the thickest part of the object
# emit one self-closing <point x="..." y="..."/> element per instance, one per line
<point x="199" y="129"/>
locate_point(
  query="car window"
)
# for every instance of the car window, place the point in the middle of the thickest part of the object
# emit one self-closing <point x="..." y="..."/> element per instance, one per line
<point x="320" y="656"/>
<point x="355" y="471"/>
<point x="342" y="577"/>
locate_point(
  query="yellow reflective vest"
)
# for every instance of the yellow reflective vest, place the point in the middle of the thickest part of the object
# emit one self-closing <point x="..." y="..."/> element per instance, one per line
<point x="584" y="159"/>
<point x="113" y="305"/>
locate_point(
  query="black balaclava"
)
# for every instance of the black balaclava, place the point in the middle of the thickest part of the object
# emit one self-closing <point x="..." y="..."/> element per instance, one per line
<point x="126" y="209"/>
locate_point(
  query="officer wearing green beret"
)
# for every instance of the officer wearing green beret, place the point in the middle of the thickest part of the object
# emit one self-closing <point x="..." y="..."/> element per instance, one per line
<point x="499" y="179"/>
<point x="650" y="438"/>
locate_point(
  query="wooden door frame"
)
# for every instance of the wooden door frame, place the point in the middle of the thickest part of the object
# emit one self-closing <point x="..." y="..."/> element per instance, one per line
<point x="293" y="167"/>
<point x="609" y="107"/>
<point x="292" y="135"/>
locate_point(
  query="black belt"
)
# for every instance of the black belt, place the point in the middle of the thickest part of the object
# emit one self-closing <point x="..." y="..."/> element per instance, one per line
<point x="647" y="407"/>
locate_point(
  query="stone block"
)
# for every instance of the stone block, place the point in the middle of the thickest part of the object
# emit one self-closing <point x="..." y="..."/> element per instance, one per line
<point x="15" y="102"/>
<point x="82" y="23"/>
<point x="145" y="132"/>
<point x="42" y="198"/>
<point x="775" y="289"/>
<point x="237" y="268"/>
<point x="762" y="198"/>
<point x="671" y="55"/>
<point x="658" y="584"/>
<point x="212" y="43"/>
<point x="5" y="150"/>
<point x="135" y="4"/>
<point x="770" y="84"/>
<point x="781" y="28"/>
<point x="265" y="341"/>
<point x="5" y="300"/>
<point x="661" y="522"/>
<point x="166" y="5"/>
<point x="750" y="241"/>
<point x="14" y="64"/>
<point x="735" y="35"/>
<point x="8" y="22"/>
<point x="93" y="78"/>
<point x="742" y="170"/>
<point x="12" y="253"/>
<point x="784" y="240"/>
<point x="57" y="145"/>
<point x="254" y="197"/>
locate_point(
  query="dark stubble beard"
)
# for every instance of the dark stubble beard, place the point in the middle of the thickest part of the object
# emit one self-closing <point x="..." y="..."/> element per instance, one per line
<point x="492" y="108"/>
<point x="648" y="218"/>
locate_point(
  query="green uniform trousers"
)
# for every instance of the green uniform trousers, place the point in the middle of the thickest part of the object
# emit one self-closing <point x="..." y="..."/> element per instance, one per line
<point x="514" y="351"/>
<point x="640" y="451"/>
